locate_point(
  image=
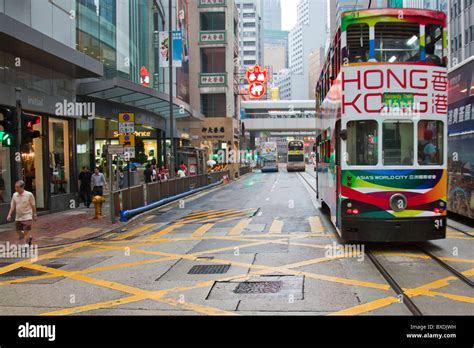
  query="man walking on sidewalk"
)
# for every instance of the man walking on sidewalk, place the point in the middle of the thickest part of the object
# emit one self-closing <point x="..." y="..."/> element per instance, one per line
<point x="85" y="186"/>
<point x="98" y="182"/>
<point x="24" y="206"/>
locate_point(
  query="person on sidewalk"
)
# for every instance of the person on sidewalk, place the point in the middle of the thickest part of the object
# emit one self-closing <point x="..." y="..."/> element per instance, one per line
<point x="120" y="179"/>
<point x="24" y="206"/>
<point x="85" y="191"/>
<point x="98" y="183"/>
<point x="148" y="173"/>
<point x="183" y="167"/>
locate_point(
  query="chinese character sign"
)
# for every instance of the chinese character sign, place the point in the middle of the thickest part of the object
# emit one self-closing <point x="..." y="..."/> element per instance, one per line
<point x="257" y="78"/>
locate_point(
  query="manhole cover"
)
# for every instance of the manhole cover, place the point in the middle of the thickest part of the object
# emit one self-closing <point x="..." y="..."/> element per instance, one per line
<point x="26" y="272"/>
<point x="209" y="269"/>
<point x="265" y="287"/>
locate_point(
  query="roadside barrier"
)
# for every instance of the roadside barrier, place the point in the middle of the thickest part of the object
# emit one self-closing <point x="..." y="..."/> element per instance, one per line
<point x="138" y="199"/>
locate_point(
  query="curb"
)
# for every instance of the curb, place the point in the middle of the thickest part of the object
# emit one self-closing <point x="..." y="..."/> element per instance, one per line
<point x="116" y="229"/>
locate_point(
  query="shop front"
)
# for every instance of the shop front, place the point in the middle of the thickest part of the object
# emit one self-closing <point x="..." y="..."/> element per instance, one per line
<point x="219" y="136"/>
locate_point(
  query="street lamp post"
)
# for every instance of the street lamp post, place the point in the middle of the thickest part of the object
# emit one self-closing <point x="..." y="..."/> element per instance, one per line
<point x="18" y="167"/>
<point x="170" y="59"/>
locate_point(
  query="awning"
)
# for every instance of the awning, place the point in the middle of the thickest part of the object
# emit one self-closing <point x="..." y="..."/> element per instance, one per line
<point x="126" y="92"/>
<point x="21" y="40"/>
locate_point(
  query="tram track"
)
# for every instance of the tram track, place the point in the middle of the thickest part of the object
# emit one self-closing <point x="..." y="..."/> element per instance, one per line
<point x="388" y="276"/>
<point x="461" y="231"/>
<point x="404" y="298"/>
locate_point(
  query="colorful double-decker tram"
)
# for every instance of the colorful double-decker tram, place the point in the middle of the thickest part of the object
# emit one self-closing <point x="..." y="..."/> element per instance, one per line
<point x="382" y="106"/>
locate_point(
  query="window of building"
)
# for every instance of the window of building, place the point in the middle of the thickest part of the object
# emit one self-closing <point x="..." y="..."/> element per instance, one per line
<point x="249" y="25"/>
<point x="358" y="43"/>
<point x="213" y="60"/>
<point x="397" y="42"/>
<point x="59" y="156"/>
<point x="212" y="20"/>
<point x="362" y="143"/>
<point x="213" y="105"/>
<point x="430" y="142"/>
<point x="397" y="143"/>
<point x="85" y="146"/>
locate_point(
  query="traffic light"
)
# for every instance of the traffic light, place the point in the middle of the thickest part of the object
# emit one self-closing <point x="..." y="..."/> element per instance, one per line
<point x="7" y="125"/>
<point x="27" y="131"/>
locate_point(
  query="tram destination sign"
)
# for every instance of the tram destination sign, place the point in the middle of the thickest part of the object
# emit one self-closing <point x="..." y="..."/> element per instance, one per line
<point x="398" y="99"/>
<point x="367" y="89"/>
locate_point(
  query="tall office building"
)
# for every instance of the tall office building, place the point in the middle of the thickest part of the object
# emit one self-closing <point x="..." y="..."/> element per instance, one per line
<point x="308" y="34"/>
<point x="250" y="33"/>
<point x="272" y="14"/>
<point x="461" y="31"/>
<point x="214" y="49"/>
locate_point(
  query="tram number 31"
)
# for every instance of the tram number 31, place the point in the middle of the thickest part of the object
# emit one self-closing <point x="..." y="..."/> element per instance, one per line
<point x="438" y="223"/>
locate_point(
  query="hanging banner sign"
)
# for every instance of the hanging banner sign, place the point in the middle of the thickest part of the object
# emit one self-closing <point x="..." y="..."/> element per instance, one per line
<point x="177" y="49"/>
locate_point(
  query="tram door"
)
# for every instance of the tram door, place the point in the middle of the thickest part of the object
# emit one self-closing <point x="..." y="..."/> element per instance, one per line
<point x="338" y="170"/>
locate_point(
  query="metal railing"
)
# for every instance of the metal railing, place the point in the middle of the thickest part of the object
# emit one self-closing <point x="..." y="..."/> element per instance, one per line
<point x="142" y="195"/>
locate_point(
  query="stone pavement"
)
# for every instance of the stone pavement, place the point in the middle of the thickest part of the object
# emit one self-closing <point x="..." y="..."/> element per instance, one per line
<point x="63" y="227"/>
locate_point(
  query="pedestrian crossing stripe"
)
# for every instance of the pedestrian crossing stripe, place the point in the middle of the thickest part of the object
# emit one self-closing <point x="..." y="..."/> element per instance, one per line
<point x="216" y="216"/>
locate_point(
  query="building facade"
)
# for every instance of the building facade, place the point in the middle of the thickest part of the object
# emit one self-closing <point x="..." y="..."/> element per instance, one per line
<point x="308" y="34"/>
<point x="38" y="55"/>
<point x="271" y="14"/>
<point x="214" y="47"/>
<point x="316" y="62"/>
<point x="250" y="33"/>
<point x="460" y="31"/>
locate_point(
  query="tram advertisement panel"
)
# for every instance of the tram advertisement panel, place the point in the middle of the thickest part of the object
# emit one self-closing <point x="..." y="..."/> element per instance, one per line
<point x="461" y="142"/>
<point x="372" y="192"/>
<point x="423" y="90"/>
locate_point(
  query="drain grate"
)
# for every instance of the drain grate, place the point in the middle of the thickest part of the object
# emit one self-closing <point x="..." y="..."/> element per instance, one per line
<point x="209" y="269"/>
<point x="27" y="272"/>
<point x="264" y="287"/>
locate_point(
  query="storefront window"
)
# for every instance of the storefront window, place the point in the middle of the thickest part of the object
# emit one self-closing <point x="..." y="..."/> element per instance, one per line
<point x="5" y="175"/>
<point x="32" y="164"/>
<point x="59" y="156"/>
<point x="84" y="144"/>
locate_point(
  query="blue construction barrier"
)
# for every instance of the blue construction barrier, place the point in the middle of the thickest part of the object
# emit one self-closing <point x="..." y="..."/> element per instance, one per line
<point x="126" y="214"/>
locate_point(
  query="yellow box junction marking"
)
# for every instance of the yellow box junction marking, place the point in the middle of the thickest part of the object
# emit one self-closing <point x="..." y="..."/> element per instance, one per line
<point x="315" y="224"/>
<point x="276" y="227"/>
<point x="240" y="227"/>
<point x="425" y="290"/>
<point x="134" y="232"/>
<point x="78" y="232"/>
<point x="202" y="230"/>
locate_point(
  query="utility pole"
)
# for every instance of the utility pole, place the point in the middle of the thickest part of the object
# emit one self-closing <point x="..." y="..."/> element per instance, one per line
<point x="18" y="167"/>
<point x="170" y="58"/>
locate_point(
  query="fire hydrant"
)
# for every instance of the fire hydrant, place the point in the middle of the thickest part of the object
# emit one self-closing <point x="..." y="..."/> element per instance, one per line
<point x="98" y="201"/>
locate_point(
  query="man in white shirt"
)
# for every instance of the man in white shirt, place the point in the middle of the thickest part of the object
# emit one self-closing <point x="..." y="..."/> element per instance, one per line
<point x="24" y="206"/>
<point x="98" y="183"/>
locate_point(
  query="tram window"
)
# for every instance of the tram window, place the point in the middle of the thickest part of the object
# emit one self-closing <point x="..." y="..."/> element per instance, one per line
<point x="397" y="42"/>
<point x="434" y="44"/>
<point x="358" y="43"/>
<point x="397" y="143"/>
<point x="362" y="143"/>
<point x="430" y="143"/>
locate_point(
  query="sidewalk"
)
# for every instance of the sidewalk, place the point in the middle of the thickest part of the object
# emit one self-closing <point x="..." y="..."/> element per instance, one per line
<point x="64" y="227"/>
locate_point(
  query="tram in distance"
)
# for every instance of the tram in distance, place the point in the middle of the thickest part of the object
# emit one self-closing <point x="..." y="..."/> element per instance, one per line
<point x="295" y="160"/>
<point x="461" y="139"/>
<point x="382" y="109"/>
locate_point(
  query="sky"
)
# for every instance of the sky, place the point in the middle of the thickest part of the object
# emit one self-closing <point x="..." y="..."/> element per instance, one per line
<point x="288" y="14"/>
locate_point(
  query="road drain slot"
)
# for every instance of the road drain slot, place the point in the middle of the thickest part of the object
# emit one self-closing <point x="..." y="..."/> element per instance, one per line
<point x="261" y="287"/>
<point x="209" y="269"/>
